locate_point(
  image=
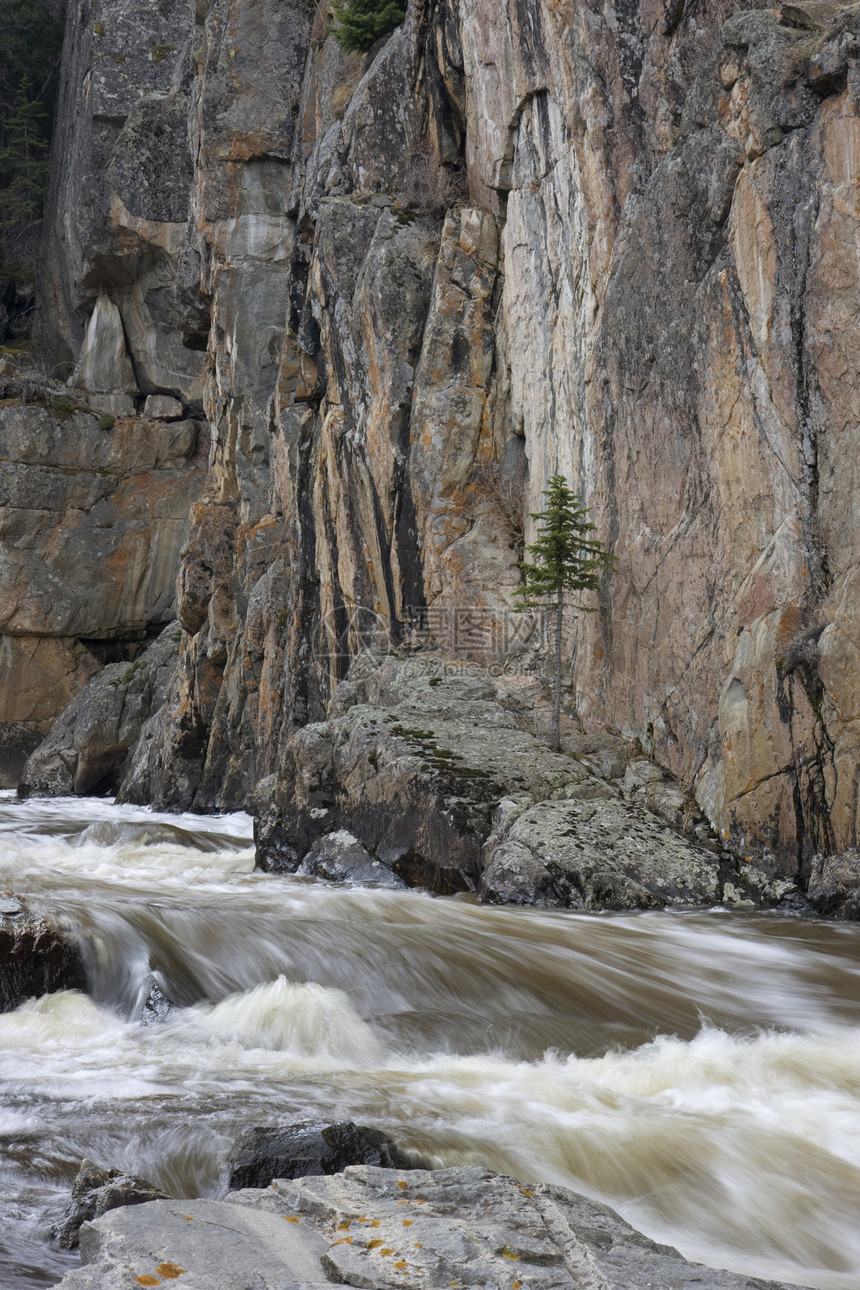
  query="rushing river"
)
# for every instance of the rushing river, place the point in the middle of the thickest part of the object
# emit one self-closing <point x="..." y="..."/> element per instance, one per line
<point x="698" y="1071"/>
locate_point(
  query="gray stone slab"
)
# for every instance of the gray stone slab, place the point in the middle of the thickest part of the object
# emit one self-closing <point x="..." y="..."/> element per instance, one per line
<point x="386" y="1229"/>
<point x="198" y="1245"/>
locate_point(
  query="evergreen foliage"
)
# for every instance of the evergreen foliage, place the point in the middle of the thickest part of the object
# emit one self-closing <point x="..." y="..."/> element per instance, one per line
<point x="362" y="22"/>
<point x="566" y="558"/>
<point x="23" y="162"/>
<point x="30" y="45"/>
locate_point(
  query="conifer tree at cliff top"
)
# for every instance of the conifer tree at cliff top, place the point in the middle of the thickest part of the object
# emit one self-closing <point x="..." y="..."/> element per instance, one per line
<point x="362" y="22"/>
<point x="23" y="161"/>
<point x="30" y="44"/>
<point x="566" y="558"/>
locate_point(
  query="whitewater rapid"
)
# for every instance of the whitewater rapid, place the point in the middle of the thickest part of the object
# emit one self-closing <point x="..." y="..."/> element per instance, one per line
<point x="698" y="1071"/>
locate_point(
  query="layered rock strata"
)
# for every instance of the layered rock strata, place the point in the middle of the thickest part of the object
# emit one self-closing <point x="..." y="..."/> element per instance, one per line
<point x="612" y="241"/>
<point x="374" y="1227"/>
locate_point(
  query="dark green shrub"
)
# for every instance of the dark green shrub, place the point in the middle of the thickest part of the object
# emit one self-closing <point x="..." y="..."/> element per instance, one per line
<point x="362" y="22"/>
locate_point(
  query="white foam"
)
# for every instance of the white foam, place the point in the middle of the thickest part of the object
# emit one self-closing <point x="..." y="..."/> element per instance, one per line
<point x="298" y="1021"/>
<point x="737" y="1140"/>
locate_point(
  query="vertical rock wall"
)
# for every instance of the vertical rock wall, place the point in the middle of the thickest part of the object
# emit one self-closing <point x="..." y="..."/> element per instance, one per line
<point x="93" y="516"/>
<point x="612" y="240"/>
<point x="678" y="341"/>
<point x="352" y="292"/>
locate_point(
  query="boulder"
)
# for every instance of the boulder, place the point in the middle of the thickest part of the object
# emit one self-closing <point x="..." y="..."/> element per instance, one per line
<point x="162" y="407"/>
<point x="596" y="853"/>
<point x="383" y="1229"/>
<point x="413" y="766"/>
<point x="340" y="857"/>
<point x="36" y="958"/>
<point x="105" y="366"/>
<point x="89" y="744"/>
<point x="94" y="1192"/>
<point x="834" y="885"/>
<point x="303" y="1150"/>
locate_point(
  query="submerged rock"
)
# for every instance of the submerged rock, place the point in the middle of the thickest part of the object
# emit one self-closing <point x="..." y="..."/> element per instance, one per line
<point x="35" y="957"/>
<point x="378" y="1228"/>
<point x="340" y="857"/>
<point x="96" y="1191"/>
<point x="303" y="1150"/>
<point x="156" y="1006"/>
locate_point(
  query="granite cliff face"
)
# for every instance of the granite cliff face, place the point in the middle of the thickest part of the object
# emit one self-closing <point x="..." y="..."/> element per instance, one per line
<point x="613" y="240"/>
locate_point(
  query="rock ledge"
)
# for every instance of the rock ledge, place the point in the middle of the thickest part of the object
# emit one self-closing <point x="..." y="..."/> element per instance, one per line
<point x="380" y="1228"/>
<point x="432" y="776"/>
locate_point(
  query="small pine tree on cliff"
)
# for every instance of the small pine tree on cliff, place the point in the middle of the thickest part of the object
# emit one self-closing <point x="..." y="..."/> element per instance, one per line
<point x="362" y="22"/>
<point x="566" y="559"/>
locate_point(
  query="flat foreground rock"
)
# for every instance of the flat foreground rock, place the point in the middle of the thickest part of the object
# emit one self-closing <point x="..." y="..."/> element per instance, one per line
<point x="382" y="1228"/>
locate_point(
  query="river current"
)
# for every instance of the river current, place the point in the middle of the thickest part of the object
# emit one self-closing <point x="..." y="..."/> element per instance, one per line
<point x="698" y="1071"/>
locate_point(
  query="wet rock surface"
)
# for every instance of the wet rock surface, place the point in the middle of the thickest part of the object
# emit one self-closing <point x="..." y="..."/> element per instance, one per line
<point x="95" y="1192"/>
<point x="156" y="1006"/>
<point x="382" y="1228"/>
<point x="834" y="887"/>
<point x="340" y="857"/>
<point x="35" y="957"/>
<point x="303" y="1150"/>
<point x="438" y="774"/>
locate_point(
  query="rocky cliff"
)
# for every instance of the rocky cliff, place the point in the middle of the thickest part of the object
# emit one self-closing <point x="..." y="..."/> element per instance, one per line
<point x="93" y="516"/>
<point x="404" y="289"/>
